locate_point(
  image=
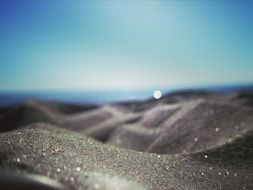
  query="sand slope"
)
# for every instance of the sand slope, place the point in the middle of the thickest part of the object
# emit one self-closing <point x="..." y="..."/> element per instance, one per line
<point x="186" y="140"/>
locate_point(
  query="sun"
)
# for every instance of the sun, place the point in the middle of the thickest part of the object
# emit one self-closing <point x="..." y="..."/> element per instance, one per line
<point x="157" y="94"/>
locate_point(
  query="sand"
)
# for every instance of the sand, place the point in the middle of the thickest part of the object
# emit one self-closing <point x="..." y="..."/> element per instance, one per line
<point x="185" y="140"/>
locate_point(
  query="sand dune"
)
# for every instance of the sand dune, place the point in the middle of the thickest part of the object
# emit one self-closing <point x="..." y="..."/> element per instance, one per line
<point x="185" y="140"/>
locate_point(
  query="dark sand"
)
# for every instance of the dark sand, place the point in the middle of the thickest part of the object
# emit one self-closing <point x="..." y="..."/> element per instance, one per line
<point x="186" y="140"/>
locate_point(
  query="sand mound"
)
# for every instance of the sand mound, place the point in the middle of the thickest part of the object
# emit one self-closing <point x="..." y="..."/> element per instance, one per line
<point x="182" y="141"/>
<point x="74" y="160"/>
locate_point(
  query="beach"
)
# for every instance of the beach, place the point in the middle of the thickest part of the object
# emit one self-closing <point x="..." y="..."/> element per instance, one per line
<point x="184" y="140"/>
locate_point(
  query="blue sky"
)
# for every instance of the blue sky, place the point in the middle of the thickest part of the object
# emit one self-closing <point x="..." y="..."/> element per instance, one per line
<point x="87" y="45"/>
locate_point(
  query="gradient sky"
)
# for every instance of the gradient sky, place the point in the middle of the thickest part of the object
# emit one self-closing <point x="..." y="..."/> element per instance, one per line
<point x="88" y="45"/>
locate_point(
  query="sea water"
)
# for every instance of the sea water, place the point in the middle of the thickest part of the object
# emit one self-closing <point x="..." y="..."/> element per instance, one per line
<point x="103" y="96"/>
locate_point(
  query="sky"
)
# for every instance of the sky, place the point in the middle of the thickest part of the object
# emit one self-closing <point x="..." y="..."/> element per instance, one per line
<point x="87" y="45"/>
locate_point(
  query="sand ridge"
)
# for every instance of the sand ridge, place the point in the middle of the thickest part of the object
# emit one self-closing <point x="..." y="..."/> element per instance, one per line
<point x="182" y="141"/>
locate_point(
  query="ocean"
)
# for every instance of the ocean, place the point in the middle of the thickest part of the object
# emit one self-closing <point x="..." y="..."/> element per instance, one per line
<point x="8" y="98"/>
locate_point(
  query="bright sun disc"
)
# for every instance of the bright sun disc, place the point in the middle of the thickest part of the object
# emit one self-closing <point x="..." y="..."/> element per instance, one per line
<point x="157" y="94"/>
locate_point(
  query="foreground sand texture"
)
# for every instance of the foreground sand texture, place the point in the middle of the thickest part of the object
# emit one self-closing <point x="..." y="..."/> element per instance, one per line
<point x="187" y="140"/>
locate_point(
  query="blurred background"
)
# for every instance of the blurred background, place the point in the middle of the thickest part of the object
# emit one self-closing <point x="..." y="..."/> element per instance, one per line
<point x="100" y="51"/>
